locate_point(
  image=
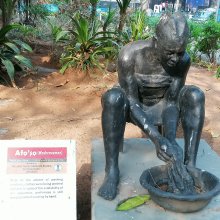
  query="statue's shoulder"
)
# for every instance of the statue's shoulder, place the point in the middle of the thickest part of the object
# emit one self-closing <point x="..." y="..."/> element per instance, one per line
<point x="129" y="51"/>
<point x="186" y="59"/>
<point x="184" y="65"/>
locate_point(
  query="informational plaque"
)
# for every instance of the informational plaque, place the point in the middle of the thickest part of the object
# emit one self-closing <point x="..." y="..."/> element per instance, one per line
<point x="37" y="180"/>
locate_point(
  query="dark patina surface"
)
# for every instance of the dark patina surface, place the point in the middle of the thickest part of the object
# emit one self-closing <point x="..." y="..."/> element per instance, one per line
<point x="152" y="92"/>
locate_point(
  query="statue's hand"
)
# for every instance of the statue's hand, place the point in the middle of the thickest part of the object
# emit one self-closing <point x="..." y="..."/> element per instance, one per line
<point x="177" y="151"/>
<point x="167" y="150"/>
<point x="164" y="149"/>
<point x="180" y="180"/>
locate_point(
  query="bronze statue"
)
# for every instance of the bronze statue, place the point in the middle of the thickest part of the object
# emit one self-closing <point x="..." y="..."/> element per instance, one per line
<point x="152" y="92"/>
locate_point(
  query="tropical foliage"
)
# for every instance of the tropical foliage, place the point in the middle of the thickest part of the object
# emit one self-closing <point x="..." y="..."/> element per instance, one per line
<point x="137" y="28"/>
<point x="205" y="42"/>
<point x="209" y="41"/>
<point x="205" y="39"/>
<point x="10" y="53"/>
<point x="86" y="40"/>
<point x="86" y="45"/>
<point x="195" y="30"/>
<point x="7" y="7"/>
<point x="109" y="18"/>
<point x="217" y="75"/>
<point x="57" y="35"/>
<point x="138" y="25"/>
<point x="123" y="6"/>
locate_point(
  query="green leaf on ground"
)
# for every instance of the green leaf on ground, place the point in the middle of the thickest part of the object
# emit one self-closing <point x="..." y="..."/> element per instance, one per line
<point x="132" y="202"/>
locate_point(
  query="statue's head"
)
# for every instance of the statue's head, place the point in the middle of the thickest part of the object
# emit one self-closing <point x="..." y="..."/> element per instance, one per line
<point x="172" y="34"/>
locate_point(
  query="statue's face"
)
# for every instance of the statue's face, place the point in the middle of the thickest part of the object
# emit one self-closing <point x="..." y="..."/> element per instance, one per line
<point x="171" y="54"/>
<point x="172" y="34"/>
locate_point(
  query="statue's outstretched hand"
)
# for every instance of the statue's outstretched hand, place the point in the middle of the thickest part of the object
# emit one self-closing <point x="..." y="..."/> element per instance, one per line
<point x="168" y="151"/>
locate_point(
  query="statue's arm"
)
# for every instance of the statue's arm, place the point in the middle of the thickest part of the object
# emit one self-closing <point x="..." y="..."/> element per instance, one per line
<point x="171" y="114"/>
<point x="179" y="78"/>
<point x="128" y="83"/>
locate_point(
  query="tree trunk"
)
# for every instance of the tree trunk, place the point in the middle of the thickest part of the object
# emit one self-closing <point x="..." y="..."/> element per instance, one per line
<point x="5" y="19"/>
<point x="27" y="12"/>
<point x="121" y="22"/>
<point x="93" y="12"/>
<point x="7" y="10"/>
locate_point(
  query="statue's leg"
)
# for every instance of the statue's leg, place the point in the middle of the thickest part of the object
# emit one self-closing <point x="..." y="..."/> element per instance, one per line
<point x="114" y="116"/>
<point x="192" y="110"/>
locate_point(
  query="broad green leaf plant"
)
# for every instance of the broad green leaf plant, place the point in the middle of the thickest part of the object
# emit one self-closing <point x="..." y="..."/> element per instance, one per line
<point x="209" y="42"/>
<point x="205" y="38"/>
<point x="10" y="53"/>
<point x="86" y="46"/>
<point x="109" y="18"/>
<point x="58" y="35"/>
<point x="138" y="25"/>
<point x="195" y="30"/>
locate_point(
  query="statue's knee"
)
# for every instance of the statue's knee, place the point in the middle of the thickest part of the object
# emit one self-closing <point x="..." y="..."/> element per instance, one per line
<point x="113" y="97"/>
<point x="194" y="96"/>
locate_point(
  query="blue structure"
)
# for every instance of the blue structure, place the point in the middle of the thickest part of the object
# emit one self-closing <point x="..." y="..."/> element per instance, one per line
<point x="103" y="5"/>
<point x="197" y="3"/>
<point x="51" y="8"/>
<point x="218" y="12"/>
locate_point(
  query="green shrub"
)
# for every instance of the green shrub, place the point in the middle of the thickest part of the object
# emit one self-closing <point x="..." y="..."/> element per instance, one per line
<point x="209" y="41"/>
<point x="192" y="49"/>
<point x="108" y="19"/>
<point x="138" y="26"/>
<point x="38" y="11"/>
<point x="27" y="33"/>
<point x="205" y="38"/>
<point x="86" y="46"/>
<point x="195" y="30"/>
<point x="151" y="23"/>
<point x="10" y="53"/>
<point x="58" y="36"/>
<point x="217" y="75"/>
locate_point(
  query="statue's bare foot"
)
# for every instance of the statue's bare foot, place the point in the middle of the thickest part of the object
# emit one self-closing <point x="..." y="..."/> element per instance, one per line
<point x="108" y="190"/>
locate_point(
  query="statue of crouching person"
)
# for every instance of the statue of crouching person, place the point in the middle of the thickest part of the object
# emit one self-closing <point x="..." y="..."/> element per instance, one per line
<point x="151" y="92"/>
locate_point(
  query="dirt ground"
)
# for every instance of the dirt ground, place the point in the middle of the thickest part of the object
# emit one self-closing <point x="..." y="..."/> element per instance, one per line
<point x="55" y="106"/>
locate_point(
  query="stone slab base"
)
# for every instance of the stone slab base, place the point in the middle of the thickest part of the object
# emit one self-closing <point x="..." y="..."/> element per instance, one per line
<point x="139" y="155"/>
